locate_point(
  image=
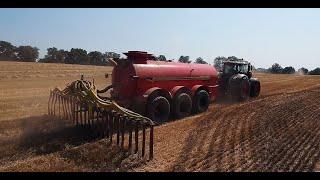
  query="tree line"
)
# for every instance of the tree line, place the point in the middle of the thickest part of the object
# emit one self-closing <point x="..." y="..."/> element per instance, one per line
<point x="80" y="56"/>
<point x="54" y="55"/>
<point x="74" y="56"/>
<point x="22" y="53"/>
<point x="276" y="68"/>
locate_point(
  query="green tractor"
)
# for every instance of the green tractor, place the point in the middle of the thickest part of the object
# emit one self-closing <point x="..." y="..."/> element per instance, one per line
<point x="236" y="81"/>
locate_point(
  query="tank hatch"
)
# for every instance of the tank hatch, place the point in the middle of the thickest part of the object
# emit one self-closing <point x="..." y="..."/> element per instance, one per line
<point x="139" y="57"/>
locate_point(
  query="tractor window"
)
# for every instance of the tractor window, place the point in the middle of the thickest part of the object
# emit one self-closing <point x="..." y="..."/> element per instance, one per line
<point x="243" y="68"/>
<point x="235" y="68"/>
<point x="230" y="68"/>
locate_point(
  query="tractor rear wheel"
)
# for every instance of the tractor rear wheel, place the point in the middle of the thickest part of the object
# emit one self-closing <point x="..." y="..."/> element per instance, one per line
<point x="182" y="105"/>
<point x="201" y="101"/>
<point x="158" y="109"/>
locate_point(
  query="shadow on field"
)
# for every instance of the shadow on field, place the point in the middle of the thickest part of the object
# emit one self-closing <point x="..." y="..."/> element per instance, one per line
<point x="38" y="135"/>
<point x="43" y="135"/>
<point x="46" y="134"/>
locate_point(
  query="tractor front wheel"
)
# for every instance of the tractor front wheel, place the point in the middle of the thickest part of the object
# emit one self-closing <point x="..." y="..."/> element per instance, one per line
<point x="255" y="89"/>
<point x="158" y="109"/>
<point x="244" y="90"/>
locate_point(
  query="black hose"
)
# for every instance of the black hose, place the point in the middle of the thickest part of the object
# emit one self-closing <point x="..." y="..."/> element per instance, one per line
<point x="105" y="89"/>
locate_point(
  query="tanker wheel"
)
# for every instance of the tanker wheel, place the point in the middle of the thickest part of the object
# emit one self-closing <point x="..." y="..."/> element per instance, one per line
<point x="158" y="109"/>
<point x="182" y="105"/>
<point x="255" y="89"/>
<point x="201" y="101"/>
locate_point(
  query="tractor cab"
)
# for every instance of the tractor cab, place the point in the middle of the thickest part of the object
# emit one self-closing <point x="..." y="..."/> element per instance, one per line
<point x="237" y="67"/>
<point x="235" y="79"/>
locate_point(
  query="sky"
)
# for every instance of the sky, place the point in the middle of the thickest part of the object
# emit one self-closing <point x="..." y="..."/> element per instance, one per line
<point x="290" y="37"/>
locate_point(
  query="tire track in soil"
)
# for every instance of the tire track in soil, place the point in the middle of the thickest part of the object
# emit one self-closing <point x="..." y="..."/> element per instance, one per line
<point x="294" y="151"/>
<point x="228" y="153"/>
<point x="279" y="135"/>
<point x="199" y="138"/>
<point x="305" y="162"/>
<point x="219" y="148"/>
<point x="309" y="129"/>
<point x="258" y="162"/>
<point x="221" y="140"/>
<point x="268" y="152"/>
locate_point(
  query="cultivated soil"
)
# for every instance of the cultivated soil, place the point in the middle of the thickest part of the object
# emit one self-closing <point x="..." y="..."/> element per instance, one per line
<point x="278" y="131"/>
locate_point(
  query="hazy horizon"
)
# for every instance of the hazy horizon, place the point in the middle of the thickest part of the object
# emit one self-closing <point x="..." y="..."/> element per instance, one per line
<point x="262" y="36"/>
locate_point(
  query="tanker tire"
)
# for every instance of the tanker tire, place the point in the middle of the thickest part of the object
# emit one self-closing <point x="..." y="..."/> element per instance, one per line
<point x="182" y="105"/>
<point x="201" y="101"/>
<point x="158" y="109"/>
<point x="255" y="89"/>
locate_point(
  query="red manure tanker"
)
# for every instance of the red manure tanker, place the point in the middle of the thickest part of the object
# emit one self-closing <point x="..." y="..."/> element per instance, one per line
<point x="159" y="89"/>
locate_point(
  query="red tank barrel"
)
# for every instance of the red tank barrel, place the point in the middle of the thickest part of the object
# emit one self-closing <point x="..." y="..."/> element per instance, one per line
<point x="136" y="77"/>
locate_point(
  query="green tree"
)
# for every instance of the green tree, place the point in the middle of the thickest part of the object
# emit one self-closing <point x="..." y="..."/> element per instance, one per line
<point x="54" y="56"/>
<point x="61" y="56"/>
<point x="316" y="71"/>
<point x="96" y="58"/>
<point x="77" y="56"/>
<point x="7" y="50"/>
<point x="288" y="70"/>
<point x="303" y="70"/>
<point x="199" y="60"/>
<point x="27" y="53"/>
<point x="184" y="59"/>
<point x="233" y="58"/>
<point x="276" y="68"/>
<point x="161" y="58"/>
<point x="218" y="62"/>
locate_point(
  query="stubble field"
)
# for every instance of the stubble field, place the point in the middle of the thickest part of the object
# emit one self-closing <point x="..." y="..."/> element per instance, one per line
<point x="278" y="131"/>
